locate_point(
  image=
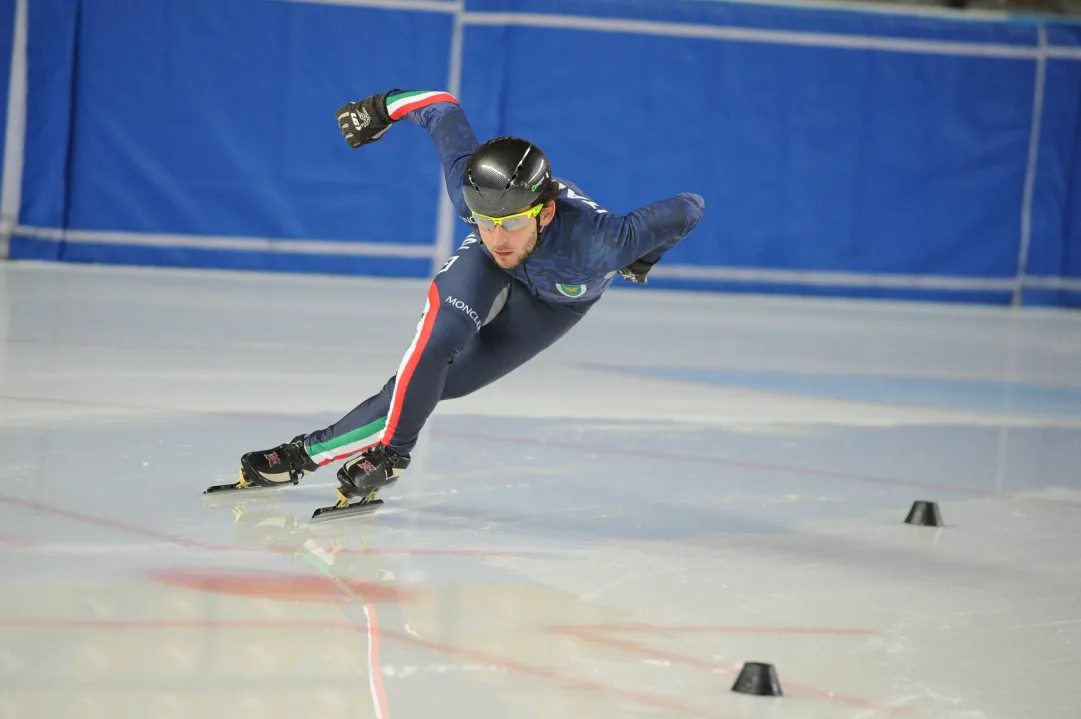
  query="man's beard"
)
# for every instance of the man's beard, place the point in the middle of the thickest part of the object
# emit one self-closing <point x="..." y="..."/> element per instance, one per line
<point x="526" y="252"/>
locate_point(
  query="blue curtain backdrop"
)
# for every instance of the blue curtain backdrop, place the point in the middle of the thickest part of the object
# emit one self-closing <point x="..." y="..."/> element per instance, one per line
<point x="202" y="133"/>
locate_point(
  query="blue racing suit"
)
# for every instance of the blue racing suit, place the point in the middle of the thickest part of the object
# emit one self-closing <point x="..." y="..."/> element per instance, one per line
<point x="481" y="321"/>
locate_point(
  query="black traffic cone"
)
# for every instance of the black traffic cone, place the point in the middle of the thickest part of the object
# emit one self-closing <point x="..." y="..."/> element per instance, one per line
<point x="924" y="514"/>
<point x="758" y="679"/>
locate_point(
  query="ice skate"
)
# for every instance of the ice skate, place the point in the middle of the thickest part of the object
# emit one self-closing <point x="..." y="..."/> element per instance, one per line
<point x="271" y="469"/>
<point x="363" y="476"/>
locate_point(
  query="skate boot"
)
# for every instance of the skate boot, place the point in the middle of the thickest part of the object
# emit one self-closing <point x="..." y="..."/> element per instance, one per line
<point x="363" y="477"/>
<point x="272" y="468"/>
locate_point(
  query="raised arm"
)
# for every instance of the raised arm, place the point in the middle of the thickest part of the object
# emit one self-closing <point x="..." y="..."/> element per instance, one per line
<point x="367" y="120"/>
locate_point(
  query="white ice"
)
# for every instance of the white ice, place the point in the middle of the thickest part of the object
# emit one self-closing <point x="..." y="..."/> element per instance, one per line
<point x="685" y="483"/>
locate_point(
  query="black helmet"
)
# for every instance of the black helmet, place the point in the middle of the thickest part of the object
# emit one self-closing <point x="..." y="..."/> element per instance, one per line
<point x="505" y="175"/>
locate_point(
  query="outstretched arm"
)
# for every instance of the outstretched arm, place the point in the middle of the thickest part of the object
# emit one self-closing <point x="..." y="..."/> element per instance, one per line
<point x="640" y="238"/>
<point x="438" y="112"/>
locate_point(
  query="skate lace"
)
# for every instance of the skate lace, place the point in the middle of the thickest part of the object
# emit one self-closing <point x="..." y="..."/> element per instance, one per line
<point x="297" y="455"/>
<point x="381" y="455"/>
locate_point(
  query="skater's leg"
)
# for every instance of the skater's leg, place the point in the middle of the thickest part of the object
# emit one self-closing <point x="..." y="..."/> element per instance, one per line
<point x="465" y="294"/>
<point x="469" y="290"/>
<point x="462" y="298"/>
<point x="518" y="328"/>
<point x="524" y="328"/>
<point x="354" y="432"/>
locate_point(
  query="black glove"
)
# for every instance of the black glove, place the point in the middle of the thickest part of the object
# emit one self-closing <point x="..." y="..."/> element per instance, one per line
<point x="636" y="271"/>
<point x="365" y="121"/>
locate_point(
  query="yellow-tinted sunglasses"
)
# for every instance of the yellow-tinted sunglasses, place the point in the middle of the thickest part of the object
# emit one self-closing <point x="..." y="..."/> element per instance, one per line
<point x="510" y="222"/>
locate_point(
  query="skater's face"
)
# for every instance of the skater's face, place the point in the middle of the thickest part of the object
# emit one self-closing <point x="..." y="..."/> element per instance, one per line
<point x="510" y="248"/>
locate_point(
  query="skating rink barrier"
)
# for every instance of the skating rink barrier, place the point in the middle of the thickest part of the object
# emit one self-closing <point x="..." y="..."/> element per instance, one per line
<point x="841" y="150"/>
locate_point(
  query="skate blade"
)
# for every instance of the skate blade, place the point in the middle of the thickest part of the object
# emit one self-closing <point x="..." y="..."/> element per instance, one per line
<point x="224" y="488"/>
<point x="359" y="509"/>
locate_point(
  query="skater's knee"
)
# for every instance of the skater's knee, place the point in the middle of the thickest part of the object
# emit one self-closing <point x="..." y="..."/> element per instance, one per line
<point x="449" y="336"/>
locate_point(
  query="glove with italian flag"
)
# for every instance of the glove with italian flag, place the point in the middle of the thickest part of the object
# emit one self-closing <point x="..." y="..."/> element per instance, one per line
<point x="366" y="121"/>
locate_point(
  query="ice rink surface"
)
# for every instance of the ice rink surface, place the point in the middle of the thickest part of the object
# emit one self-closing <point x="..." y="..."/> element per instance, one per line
<point x="685" y="483"/>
